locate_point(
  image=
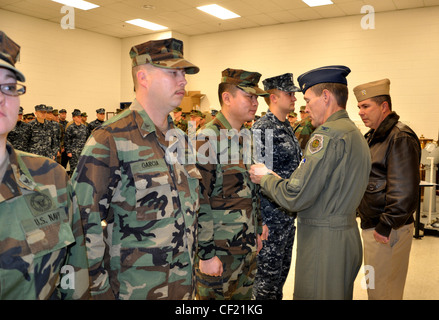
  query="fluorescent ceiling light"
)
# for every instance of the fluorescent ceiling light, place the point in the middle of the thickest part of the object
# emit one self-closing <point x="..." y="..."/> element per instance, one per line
<point x="218" y="11"/>
<point x="316" y="3"/>
<point x="80" y="4"/>
<point x="146" y="24"/>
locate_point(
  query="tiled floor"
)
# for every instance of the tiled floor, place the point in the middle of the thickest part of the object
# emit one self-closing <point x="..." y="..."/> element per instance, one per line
<point x="422" y="277"/>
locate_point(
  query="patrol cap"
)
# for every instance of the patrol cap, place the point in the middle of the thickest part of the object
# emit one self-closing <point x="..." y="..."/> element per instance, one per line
<point x="292" y="114"/>
<point x="9" y="55"/>
<point x="63" y="111"/>
<point x="197" y="113"/>
<point x="40" y="107"/>
<point x="178" y="109"/>
<point x="165" y="53"/>
<point x="76" y="112"/>
<point x="55" y="112"/>
<point x="100" y="110"/>
<point x="372" y="89"/>
<point x="245" y="80"/>
<point x="84" y="114"/>
<point x="284" y="82"/>
<point x="328" y="74"/>
<point x="49" y="108"/>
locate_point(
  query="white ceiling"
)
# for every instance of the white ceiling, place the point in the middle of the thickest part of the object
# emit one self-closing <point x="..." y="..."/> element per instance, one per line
<point x="182" y="16"/>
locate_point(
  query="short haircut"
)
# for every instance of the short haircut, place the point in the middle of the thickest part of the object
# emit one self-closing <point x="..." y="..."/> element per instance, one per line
<point x="381" y="99"/>
<point x="226" y="87"/>
<point x="271" y="91"/>
<point x="339" y="90"/>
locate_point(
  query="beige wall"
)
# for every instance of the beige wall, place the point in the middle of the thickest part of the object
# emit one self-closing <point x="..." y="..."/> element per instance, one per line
<point x="77" y="68"/>
<point x="65" y="68"/>
<point x="404" y="47"/>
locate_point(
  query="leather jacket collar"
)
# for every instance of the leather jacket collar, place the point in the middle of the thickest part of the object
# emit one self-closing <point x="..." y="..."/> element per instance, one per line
<point x="381" y="133"/>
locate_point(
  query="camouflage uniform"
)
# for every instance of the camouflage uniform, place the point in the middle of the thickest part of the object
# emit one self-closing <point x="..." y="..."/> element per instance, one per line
<point x="274" y="260"/>
<point x="229" y="217"/>
<point x="148" y="248"/>
<point x="303" y="132"/>
<point x="41" y="231"/>
<point x="93" y="125"/>
<point x="18" y="136"/>
<point x="229" y="220"/>
<point x="40" y="139"/>
<point x="63" y="125"/>
<point x="74" y="141"/>
<point x="57" y="135"/>
<point x="181" y="124"/>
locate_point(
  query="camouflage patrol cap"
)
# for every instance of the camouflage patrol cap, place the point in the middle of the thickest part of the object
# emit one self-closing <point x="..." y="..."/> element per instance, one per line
<point x="76" y="112"/>
<point x="55" y="112"/>
<point x="245" y="80"/>
<point x="84" y="114"/>
<point x="197" y="113"/>
<point x="63" y="111"/>
<point x="100" y="110"/>
<point x="9" y="55"/>
<point x="165" y="53"/>
<point x="284" y="82"/>
<point x="40" y="107"/>
<point x="49" y="108"/>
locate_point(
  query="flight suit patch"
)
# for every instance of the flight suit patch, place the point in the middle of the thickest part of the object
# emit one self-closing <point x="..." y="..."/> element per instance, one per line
<point x="316" y="144"/>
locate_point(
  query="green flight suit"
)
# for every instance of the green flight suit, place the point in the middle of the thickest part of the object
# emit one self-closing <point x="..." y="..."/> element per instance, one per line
<point x="325" y="191"/>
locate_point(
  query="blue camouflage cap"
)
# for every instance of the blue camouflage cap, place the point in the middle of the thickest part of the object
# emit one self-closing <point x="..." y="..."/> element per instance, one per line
<point x="40" y="107"/>
<point x="284" y="82"/>
<point x="328" y="74"/>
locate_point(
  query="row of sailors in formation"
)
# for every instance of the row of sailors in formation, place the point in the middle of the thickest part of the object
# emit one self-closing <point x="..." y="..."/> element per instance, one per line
<point x="49" y="134"/>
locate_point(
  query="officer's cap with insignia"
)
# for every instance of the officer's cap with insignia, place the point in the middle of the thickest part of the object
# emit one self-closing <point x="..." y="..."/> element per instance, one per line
<point x="100" y="110"/>
<point x="244" y="80"/>
<point x="165" y="53"/>
<point x="9" y="55"/>
<point x="284" y="82"/>
<point x="76" y="112"/>
<point x="372" y="89"/>
<point x="40" y="107"/>
<point x="328" y="74"/>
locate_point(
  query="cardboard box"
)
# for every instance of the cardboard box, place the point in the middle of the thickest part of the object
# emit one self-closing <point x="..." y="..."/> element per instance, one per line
<point x="191" y="100"/>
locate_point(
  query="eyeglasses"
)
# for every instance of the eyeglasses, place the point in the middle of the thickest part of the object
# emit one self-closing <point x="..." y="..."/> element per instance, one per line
<point x="12" y="89"/>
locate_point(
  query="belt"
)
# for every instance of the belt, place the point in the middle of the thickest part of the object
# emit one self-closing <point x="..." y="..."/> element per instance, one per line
<point x="331" y="222"/>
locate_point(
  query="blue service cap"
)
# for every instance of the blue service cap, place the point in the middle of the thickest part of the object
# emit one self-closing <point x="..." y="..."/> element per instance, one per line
<point x="328" y="74"/>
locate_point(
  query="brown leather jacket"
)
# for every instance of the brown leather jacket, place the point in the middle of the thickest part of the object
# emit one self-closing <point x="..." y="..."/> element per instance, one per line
<point x="391" y="196"/>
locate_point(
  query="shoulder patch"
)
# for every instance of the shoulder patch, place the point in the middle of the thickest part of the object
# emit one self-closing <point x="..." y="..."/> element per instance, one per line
<point x="315" y="144"/>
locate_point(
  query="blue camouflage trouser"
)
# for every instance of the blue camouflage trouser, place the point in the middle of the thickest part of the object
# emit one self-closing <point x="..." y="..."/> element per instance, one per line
<point x="274" y="261"/>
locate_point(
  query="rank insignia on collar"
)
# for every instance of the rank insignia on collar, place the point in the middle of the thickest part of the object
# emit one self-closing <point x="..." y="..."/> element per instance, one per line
<point x="316" y="144"/>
